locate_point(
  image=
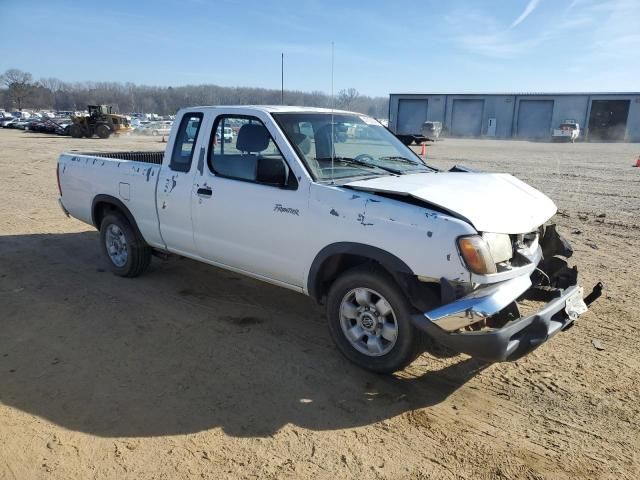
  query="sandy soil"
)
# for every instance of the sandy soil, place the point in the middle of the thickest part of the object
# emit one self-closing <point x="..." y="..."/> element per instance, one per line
<point x="190" y="371"/>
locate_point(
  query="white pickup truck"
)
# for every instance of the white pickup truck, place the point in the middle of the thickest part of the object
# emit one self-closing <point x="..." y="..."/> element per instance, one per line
<point x="568" y="130"/>
<point x="403" y="255"/>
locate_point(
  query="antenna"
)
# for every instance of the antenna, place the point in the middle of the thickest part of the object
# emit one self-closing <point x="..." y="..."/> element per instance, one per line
<point x="333" y="106"/>
<point x="282" y="79"/>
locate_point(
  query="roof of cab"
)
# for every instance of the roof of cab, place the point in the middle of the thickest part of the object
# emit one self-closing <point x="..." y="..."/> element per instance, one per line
<point x="273" y="108"/>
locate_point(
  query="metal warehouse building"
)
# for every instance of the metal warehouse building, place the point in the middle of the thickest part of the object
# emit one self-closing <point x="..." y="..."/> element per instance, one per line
<point x="602" y="116"/>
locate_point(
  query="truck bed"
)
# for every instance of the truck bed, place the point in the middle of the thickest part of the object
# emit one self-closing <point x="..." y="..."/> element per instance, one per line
<point x="144" y="157"/>
<point x="128" y="177"/>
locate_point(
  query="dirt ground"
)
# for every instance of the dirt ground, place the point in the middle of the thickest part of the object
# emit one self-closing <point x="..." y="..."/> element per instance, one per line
<point x="193" y="372"/>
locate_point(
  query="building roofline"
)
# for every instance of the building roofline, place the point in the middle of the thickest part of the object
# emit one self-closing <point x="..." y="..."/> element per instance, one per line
<point x="515" y="94"/>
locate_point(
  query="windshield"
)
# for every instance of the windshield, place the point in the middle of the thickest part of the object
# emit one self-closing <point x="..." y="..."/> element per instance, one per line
<point x="359" y="146"/>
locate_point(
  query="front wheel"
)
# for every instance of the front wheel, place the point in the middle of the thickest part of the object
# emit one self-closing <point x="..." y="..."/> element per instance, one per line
<point x="126" y="253"/>
<point x="75" y="131"/>
<point x="369" y="321"/>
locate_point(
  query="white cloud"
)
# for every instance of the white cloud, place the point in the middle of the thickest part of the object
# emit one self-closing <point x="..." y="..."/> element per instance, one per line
<point x="483" y="34"/>
<point x="528" y="10"/>
<point x="605" y="30"/>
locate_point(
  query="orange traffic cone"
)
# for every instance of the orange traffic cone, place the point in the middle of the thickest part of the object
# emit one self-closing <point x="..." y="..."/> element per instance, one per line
<point x="637" y="162"/>
<point x="423" y="150"/>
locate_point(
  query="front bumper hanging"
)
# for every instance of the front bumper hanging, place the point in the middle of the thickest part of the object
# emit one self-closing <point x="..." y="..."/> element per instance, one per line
<point x="486" y="323"/>
<point x="515" y="339"/>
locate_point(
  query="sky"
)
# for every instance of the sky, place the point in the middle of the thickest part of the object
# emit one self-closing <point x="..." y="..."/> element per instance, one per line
<point x="380" y="47"/>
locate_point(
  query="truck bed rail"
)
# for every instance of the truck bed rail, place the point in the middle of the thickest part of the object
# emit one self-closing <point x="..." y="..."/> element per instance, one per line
<point x="146" y="157"/>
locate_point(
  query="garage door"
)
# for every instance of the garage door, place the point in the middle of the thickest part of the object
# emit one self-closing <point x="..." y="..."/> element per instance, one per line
<point x="466" y="118"/>
<point x="411" y="115"/>
<point x="608" y="119"/>
<point x="534" y="118"/>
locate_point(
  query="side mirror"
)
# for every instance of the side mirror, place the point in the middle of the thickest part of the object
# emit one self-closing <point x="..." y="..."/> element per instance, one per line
<point x="271" y="171"/>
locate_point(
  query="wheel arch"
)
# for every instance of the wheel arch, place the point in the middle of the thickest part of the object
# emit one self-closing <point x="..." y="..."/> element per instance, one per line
<point x="102" y="204"/>
<point x="335" y="258"/>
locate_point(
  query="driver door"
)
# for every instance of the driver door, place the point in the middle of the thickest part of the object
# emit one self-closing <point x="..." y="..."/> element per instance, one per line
<point x="246" y="223"/>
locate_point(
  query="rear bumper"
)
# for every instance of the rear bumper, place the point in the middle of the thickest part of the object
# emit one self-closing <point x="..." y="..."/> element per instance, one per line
<point x="515" y="339"/>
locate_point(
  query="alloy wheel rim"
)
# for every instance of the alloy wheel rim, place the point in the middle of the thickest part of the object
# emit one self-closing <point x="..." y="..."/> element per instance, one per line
<point x="116" y="244"/>
<point x="368" y="322"/>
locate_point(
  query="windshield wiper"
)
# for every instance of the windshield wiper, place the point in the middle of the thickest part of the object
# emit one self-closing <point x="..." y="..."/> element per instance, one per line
<point x="360" y="163"/>
<point x="403" y="160"/>
<point x="420" y="165"/>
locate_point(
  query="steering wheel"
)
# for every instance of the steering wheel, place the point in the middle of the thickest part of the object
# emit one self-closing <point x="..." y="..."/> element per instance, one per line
<point x="365" y="157"/>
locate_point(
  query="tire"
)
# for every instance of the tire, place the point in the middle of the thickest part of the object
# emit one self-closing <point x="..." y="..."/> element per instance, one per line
<point x="383" y="353"/>
<point x="75" y="131"/>
<point x="103" y="131"/>
<point x="132" y="255"/>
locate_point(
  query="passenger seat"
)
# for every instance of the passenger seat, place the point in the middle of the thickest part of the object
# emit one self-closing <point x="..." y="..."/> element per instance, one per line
<point x="252" y="139"/>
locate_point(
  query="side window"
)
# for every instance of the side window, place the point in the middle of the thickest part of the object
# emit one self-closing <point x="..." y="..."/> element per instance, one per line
<point x="242" y="149"/>
<point x="186" y="138"/>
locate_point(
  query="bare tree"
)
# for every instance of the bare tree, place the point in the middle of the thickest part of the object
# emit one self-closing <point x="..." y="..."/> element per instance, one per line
<point x="347" y="97"/>
<point x="19" y="84"/>
<point x="52" y="84"/>
<point x="129" y="97"/>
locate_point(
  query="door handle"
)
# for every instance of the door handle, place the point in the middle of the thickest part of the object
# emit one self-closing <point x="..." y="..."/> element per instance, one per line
<point x="205" y="191"/>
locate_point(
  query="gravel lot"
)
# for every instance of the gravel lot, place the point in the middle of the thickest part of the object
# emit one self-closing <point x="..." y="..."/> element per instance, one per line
<point x="190" y="371"/>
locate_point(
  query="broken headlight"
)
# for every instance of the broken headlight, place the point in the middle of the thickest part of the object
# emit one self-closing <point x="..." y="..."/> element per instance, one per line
<point x="500" y="246"/>
<point x="476" y="254"/>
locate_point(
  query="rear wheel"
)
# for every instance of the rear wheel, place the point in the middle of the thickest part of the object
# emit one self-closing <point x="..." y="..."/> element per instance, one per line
<point x="369" y="321"/>
<point x="126" y="253"/>
<point x="103" y="131"/>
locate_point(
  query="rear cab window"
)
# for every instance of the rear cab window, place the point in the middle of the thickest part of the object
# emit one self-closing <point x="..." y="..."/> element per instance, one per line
<point x="186" y="138"/>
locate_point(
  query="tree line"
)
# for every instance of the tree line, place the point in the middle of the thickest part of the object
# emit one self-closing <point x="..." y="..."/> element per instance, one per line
<point x="20" y="91"/>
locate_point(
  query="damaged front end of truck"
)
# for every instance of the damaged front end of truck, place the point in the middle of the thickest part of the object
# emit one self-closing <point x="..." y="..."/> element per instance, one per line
<point x="530" y="297"/>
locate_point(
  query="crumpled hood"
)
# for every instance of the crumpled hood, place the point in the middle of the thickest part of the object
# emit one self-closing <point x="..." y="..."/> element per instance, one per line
<point x="491" y="202"/>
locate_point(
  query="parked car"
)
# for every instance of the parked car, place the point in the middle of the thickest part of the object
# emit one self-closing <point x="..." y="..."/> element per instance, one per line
<point x="7" y="121"/>
<point x="21" y="115"/>
<point x="431" y="130"/>
<point x="569" y="130"/>
<point x="228" y="134"/>
<point x="22" y="124"/>
<point x="50" y="126"/>
<point x="154" y="128"/>
<point x="364" y="133"/>
<point x="400" y="253"/>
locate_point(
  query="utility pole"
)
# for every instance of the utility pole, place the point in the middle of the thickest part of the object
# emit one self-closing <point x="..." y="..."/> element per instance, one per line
<point x="282" y="79"/>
